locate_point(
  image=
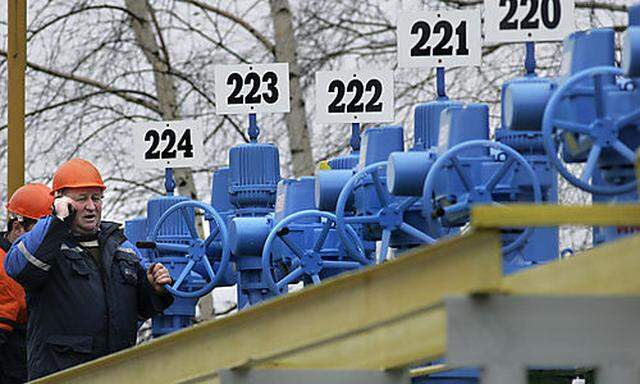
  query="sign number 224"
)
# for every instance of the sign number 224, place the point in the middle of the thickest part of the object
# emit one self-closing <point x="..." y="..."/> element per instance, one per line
<point x="168" y="138"/>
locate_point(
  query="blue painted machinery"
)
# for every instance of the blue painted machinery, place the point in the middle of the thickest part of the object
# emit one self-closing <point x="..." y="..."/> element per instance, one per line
<point x="365" y="201"/>
<point x="272" y="227"/>
<point x="377" y="198"/>
<point x="254" y="173"/>
<point x="303" y="245"/>
<point x="267" y="233"/>
<point x="593" y="119"/>
<point x="168" y="235"/>
<point x="589" y="116"/>
<point x="512" y="168"/>
<point x="475" y="170"/>
<point x="277" y="237"/>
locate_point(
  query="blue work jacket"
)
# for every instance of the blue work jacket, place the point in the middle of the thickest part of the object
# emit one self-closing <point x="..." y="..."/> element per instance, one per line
<point x="79" y="308"/>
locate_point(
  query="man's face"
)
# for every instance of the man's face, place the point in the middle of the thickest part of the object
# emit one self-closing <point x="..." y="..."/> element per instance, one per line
<point x="88" y="205"/>
<point x="19" y="228"/>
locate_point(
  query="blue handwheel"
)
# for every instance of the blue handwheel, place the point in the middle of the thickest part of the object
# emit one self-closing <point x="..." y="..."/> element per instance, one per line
<point x="390" y="216"/>
<point x="476" y="194"/>
<point x="306" y="262"/>
<point x="604" y="131"/>
<point x="195" y="250"/>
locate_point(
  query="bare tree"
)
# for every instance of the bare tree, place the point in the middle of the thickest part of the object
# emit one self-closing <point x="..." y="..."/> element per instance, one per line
<point x="297" y="123"/>
<point x="146" y="28"/>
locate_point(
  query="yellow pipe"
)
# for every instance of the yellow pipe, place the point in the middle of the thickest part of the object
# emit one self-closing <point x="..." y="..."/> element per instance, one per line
<point x="17" y="59"/>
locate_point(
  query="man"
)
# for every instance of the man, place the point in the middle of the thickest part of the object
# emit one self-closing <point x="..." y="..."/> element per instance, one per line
<point x="28" y="203"/>
<point x="85" y="285"/>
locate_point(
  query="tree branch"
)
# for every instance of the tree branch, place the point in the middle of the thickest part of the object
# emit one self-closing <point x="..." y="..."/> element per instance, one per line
<point x="124" y="94"/>
<point x="236" y="19"/>
<point x="140" y="184"/>
<point x="75" y="12"/>
<point x="579" y="4"/>
<point x="57" y="105"/>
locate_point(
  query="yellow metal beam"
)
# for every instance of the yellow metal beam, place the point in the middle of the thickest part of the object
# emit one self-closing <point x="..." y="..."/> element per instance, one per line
<point x="608" y="269"/>
<point x="527" y="215"/>
<point x="387" y="316"/>
<point x="429" y="370"/>
<point x="17" y="59"/>
<point x="637" y="168"/>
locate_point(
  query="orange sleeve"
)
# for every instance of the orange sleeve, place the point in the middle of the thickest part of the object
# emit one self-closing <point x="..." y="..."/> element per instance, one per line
<point x="13" y="308"/>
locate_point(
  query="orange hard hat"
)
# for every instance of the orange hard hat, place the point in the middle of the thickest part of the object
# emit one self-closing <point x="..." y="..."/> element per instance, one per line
<point x="77" y="173"/>
<point x="32" y="200"/>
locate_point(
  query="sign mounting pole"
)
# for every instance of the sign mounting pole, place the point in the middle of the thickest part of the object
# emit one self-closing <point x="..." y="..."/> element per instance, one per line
<point x="355" y="137"/>
<point x="254" y="130"/>
<point x="440" y="84"/>
<point x="530" y="59"/>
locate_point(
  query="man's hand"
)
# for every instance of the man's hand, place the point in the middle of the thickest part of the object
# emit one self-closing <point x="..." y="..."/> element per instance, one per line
<point x="158" y="276"/>
<point x="64" y="209"/>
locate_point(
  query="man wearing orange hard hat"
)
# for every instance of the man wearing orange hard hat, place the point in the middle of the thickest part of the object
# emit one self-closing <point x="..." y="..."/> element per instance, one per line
<point x="85" y="284"/>
<point x="28" y="203"/>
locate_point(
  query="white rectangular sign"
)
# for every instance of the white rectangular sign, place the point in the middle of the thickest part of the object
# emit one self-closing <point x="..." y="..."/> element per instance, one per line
<point x="252" y="88"/>
<point x="528" y="20"/>
<point x="439" y="39"/>
<point x="168" y="144"/>
<point x="354" y="96"/>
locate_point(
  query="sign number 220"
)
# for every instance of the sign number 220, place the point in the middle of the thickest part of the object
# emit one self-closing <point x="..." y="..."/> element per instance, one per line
<point x="528" y="21"/>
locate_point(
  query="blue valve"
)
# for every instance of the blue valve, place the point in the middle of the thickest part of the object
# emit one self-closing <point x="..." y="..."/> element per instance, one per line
<point x="388" y="213"/>
<point x="195" y="250"/>
<point x="476" y="190"/>
<point x="603" y="133"/>
<point x="292" y="261"/>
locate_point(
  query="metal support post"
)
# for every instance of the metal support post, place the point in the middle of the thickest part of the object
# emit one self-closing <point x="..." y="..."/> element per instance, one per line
<point x="504" y="374"/>
<point x="308" y="376"/>
<point x="618" y="373"/>
<point x="17" y="59"/>
<point x="505" y="334"/>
